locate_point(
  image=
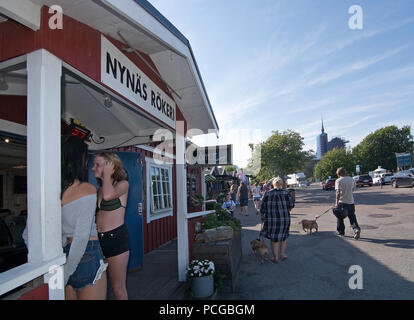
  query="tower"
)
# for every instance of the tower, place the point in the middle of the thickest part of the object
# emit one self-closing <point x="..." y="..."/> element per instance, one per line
<point x="321" y="143"/>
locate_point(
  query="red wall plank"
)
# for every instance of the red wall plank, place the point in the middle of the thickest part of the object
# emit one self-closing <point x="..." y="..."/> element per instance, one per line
<point x="13" y="108"/>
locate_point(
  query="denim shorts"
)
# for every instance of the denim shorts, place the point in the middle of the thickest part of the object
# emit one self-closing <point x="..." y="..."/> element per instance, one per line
<point x="256" y="198"/>
<point x="90" y="267"/>
<point x="244" y="202"/>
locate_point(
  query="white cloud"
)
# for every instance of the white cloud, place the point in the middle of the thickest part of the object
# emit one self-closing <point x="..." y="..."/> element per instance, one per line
<point x="353" y="67"/>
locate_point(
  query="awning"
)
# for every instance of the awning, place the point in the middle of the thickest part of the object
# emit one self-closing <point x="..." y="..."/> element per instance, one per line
<point x="209" y="178"/>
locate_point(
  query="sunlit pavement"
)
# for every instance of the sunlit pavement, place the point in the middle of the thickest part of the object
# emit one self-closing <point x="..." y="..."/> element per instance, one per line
<point x="380" y="265"/>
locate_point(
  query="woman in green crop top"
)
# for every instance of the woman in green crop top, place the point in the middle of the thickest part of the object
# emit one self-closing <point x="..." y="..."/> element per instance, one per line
<point x="112" y="231"/>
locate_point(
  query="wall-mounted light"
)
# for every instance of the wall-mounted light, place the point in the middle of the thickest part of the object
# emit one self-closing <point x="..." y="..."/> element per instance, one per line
<point x="3" y="84"/>
<point x="107" y="101"/>
<point x="7" y="140"/>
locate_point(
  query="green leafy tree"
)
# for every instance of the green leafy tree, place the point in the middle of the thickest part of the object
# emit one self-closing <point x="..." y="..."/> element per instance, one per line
<point x="331" y="161"/>
<point x="379" y="148"/>
<point x="279" y="155"/>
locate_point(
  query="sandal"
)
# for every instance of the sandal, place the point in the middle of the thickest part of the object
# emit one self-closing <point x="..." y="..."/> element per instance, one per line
<point x="274" y="260"/>
<point x="283" y="258"/>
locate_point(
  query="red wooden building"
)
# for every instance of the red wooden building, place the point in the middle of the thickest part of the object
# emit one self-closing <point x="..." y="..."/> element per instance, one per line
<point x="130" y="77"/>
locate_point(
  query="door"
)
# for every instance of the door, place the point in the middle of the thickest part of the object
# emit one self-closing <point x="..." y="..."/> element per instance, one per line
<point x="133" y="211"/>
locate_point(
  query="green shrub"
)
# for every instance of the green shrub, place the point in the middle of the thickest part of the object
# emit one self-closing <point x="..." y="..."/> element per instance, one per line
<point x="221" y="218"/>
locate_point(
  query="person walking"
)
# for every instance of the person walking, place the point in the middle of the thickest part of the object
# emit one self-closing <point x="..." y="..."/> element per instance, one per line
<point x="110" y="219"/>
<point x="256" y="197"/>
<point x="85" y="269"/>
<point x="233" y="193"/>
<point x="243" y="194"/>
<point x="344" y="187"/>
<point x="267" y="186"/>
<point x="275" y="214"/>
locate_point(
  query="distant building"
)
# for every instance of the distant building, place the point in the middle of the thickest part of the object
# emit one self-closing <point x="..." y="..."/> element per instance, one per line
<point x="321" y="144"/>
<point x="337" y="143"/>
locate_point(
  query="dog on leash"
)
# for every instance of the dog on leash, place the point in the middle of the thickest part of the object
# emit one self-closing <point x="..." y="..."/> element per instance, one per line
<point x="309" y="225"/>
<point x="259" y="247"/>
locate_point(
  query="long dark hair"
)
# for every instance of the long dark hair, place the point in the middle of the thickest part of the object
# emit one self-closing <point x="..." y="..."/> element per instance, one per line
<point x="74" y="161"/>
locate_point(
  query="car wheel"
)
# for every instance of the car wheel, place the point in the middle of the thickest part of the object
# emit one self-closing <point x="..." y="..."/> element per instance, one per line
<point x="394" y="184"/>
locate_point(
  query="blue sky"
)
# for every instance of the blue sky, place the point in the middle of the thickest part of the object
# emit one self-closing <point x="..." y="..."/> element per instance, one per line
<point x="277" y="65"/>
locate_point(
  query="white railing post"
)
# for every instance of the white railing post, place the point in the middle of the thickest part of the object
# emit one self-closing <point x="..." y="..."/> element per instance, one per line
<point x="43" y="159"/>
<point x="182" y="221"/>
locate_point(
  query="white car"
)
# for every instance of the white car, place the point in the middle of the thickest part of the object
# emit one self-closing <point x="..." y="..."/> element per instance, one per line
<point x="386" y="178"/>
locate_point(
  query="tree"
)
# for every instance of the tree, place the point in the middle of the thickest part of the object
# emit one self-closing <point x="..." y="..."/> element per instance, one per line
<point x="331" y="161"/>
<point x="379" y="148"/>
<point x="279" y="155"/>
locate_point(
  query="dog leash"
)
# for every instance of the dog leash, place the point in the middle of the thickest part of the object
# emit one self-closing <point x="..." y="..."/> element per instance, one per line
<point x="322" y="214"/>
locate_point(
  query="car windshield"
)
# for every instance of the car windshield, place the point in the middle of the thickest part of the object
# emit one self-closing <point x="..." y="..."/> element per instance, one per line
<point x="364" y="177"/>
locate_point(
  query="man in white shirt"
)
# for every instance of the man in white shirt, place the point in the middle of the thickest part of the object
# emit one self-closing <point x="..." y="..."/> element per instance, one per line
<point x="344" y="186"/>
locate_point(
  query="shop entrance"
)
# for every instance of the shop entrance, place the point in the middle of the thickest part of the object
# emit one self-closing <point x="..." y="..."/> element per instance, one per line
<point x="133" y="211"/>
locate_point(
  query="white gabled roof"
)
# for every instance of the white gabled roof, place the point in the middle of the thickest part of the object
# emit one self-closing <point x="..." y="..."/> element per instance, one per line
<point x="146" y="30"/>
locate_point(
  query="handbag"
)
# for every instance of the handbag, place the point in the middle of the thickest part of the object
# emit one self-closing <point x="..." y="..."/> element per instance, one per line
<point x="340" y="212"/>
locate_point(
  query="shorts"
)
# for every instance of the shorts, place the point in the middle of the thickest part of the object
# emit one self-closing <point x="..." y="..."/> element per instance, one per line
<point x="244" y="202"/>
<point x="90" y="267"/>
<point x="256" y="198"/>
<point x="114" y="242"/>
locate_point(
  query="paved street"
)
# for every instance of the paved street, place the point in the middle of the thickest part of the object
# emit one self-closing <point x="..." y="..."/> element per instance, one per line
<point x="317" y="265"/>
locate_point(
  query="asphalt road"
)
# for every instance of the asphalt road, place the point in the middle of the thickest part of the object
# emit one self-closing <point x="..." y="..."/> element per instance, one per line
<point x="318" y="265"/>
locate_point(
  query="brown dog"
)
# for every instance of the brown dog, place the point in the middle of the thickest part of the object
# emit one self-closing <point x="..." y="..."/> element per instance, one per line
<point x="259" y="247"/>
<point x="309" y="225"/>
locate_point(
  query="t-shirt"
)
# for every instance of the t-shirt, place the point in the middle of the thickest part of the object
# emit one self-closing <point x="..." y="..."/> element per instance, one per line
<point x="228" y="205"/>
<point x="346" y="186"/>
<point x="256" y="191"/>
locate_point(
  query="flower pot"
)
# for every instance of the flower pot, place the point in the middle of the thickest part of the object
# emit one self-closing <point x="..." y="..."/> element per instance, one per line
<point x="202" y="287"/>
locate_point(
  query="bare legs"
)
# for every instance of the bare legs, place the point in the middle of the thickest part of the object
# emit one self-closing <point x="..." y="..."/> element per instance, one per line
<point x="257" y="206"/>
<point x="92" y="292"/>
<point x="282" y="246"/>
<point x="244" y="210"/>
<point x="117" y="268"/>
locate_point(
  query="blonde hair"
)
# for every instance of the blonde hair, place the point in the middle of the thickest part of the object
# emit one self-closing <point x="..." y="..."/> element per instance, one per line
<point x="119" y="171"/>
<point x="277" y="182"/>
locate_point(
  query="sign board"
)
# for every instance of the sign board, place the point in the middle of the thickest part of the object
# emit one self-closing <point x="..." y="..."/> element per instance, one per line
<point x="123" y="76"/>
<point x="403" y="159"/>
<point x="358" y="168"/>
<point x="211" y="155"/>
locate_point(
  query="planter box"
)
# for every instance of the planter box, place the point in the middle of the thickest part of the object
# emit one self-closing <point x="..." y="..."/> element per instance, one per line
<point x="226" y="256"/>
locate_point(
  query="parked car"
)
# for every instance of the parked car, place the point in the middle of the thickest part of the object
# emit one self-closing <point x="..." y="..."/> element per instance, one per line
<point x="329" y="184"/>
<point x="403" y="179"/>
<point x="363" y="180"/>
<point x="385" y="177"/>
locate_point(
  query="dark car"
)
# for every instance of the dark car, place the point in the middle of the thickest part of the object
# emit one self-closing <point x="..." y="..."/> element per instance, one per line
<point x="403" y="179"/>
<point x="363" y="180"/>
<point x="329" y="184"/>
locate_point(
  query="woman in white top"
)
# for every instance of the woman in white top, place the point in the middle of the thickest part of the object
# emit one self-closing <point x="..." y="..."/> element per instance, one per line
<point x="256" y="196"/>
<point x="84" y="271"/>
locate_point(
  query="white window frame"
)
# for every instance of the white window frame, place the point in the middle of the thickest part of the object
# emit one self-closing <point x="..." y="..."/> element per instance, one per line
<point x="151" y="214"/>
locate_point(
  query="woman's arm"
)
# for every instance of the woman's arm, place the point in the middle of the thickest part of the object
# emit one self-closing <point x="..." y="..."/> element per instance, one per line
<point x="109" y="191"/>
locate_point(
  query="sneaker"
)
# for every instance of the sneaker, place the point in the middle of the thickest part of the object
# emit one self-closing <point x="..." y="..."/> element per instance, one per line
<point x="357" y="235"/>
<point x="339" y="234"/>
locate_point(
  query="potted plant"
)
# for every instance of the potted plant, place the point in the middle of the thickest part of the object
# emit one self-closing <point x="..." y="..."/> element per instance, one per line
<point x="200" y="274"/>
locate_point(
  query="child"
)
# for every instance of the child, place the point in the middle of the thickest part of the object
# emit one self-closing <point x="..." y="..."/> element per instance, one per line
<point x="229" y="204"/>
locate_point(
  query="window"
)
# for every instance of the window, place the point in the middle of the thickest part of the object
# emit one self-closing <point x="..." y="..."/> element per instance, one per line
<point x="159" y="190"/>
